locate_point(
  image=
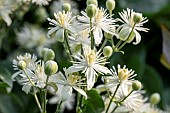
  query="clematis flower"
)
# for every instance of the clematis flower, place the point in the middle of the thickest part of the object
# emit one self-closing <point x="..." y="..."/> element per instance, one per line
<point x="124" y="30"/>
<point x="101" y="21"/>
<point x="70" y="81"/>
<point x="91" y="64"/>
<point x="62" y="22"/>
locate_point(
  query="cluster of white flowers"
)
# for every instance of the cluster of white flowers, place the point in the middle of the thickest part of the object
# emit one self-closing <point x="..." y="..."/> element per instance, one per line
<point x="88" y="54"/>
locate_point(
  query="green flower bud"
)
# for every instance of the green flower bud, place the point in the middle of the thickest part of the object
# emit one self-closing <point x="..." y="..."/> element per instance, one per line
<point x="107" y="51"/>
<point x="110" y="4"/>
<point x="155" y="98"/>
<point x="137" y="17"/>
<point x="95" y="2"/>
<point x="136" y="85"/>
<point x="108" y="35"/>
<point x="66" y="7"/>
<point x="91" y="10"/>
<point x="21" y="65"/>
<point x="60" y="35"/>
<point x="47" y="54"/>
<point x="50" y="67"/>
<point x="124" y="34"/>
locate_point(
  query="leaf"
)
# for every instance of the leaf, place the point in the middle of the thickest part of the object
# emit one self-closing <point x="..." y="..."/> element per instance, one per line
<point x="3" y="84"/>
<point x="5" y="76"/>
<point x="94" y="103"/>
<point x="165" y="58"/>
<point x="152" y="80"/>
<point x="146" y="6"/>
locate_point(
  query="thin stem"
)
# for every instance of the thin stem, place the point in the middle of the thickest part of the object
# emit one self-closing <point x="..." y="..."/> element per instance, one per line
<point x="35" y="95"/>
<point x="58" y="107"/>
<point x="115" y="108"/>
<point x="104" y="43"/>
<point x="127" y="96"/>
<point x="28" y="78"/>
<point x="37" y="101"/>
<point x="67" y="45"/>
<point x="91" y="35"/>
<point x="127" y="38"/>
<point x="112" y="98"/>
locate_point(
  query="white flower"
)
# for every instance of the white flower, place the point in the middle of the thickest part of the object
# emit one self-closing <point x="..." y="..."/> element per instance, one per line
<point x="6" y="8"/>
<point x="41" y="2"/>
<point x="57" y="6"/>
<point x="81" y="39"/>
<point x="70" y="81"/>
<point x="28" y="59"/>
<point x="62" y="21"/>
<point x="33" y="37"/>
<point x="101" y="21"/>
<point x="128" y="24"/>
<point x="122" y="75"/>
<point x="91" y="64"/>
<point x="63" y="95"/>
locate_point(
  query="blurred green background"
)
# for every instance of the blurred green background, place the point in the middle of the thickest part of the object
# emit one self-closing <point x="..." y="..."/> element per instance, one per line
<point x="143" y="58"/>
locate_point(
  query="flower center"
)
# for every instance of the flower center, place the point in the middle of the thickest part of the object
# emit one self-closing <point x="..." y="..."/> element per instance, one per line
<point x="61" y="19"/>
<point x="73" y="79"/>
<point x="123" y="74"/>
<point x="99" y="15"/>
<point x="91" y="58"/>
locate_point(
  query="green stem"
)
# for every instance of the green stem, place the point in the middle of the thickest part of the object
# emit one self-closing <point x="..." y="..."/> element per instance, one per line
<point x="115" y="108"/>
<point x="37" y="101"/>
<point x="91" y="35"/>
<point x="104" y="43"/>
<point x="58" y="107"/>
<point x="67" y="45"/>
<point x="35" y="95"/>
<point x="127" y="96"/>
<point x="112" y="98"/>
<point x="127" y="38"/>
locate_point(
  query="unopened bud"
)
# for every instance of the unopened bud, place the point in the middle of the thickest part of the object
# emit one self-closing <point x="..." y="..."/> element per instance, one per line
<point x="137" y="18"/>
<point x="66" y="7"/>
<point x="91" y="10"/>
<point x="108" y="35"/>
<point x="107" y="51"/>
<point x="110" y="4"/>
<point x="136" y="85"/>
<point x="95" y="2"/>
<point x="155" y="98"/>
<point x="50" y="67"/>
<point x="21" y="65"/>
<point x="47" y="54"/>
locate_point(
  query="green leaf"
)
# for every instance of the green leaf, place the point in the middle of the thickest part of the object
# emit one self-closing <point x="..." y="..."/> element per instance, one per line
<point x="3" y="84"/>
<point x="5" y="76"/>
<point x="152" y="80"/>
<point x="94" y="103"/>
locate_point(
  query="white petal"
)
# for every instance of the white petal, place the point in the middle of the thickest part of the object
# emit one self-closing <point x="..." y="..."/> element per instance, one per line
<point x="98" y="35"/>
<point x="138" y="38"/>
<point x="80" y="91"/>
<point x="101" y="69"/>
<point x="91" y="76"/>
<point x="51" y="31"/>
<point x="73" y="69"/>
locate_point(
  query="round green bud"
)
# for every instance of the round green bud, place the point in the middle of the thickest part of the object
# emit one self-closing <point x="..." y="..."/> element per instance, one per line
<point x="155" y="98"/>
<point x="21" y="65"/>
<point x="50" y="67"/>
<point x="110" y="4"/>
<point x="47" y="54"/>
<point x="108" y="35"/>
<point x="66" y="7"/>
<point x="95" y="2"/>
<point x="137" y="17"/>
<point x="136" y="85"/>
<point x="107" y="51"/>
<point x="91" y="10"/>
